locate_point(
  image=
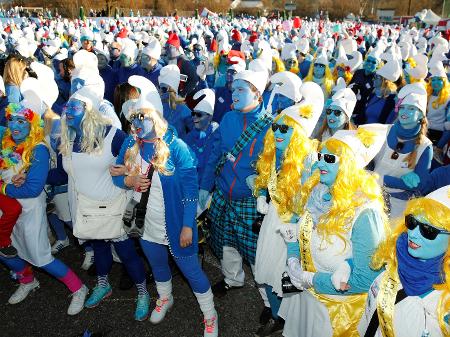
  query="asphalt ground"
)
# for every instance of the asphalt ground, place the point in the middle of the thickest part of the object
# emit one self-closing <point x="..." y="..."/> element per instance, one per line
<point x="44" y="312"/>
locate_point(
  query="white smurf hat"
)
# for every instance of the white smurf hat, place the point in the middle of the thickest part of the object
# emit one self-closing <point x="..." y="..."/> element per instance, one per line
<point x="153" y="49"/>
<point x="391" y="70"/>
<point x="288" y="85"/>
<point x="258" y="79"/>
<point x="420" y="70"/>
<point x="88" y="96"/>
<point x="170" y="76"/>
<point x="344" y="99"/>
<point x="206" y="99"/>
<point x="365" y="142"/>
<point x="414" y="94"/>
<point x="441" y="195"/>
<point x="307" y="112"/>
<point x="149" y="97"/>
<point x="437" y="70"/>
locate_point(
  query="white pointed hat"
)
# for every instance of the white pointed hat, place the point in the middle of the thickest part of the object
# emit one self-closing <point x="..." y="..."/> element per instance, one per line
<point x="365" y="142"/>
<point x="420" y="70"/>
<point x="48" y="89"/>
<point x="88" y="96"/>
<point x="344" y="99"/>
<point x="206" y="98"/>
<point x="340" y="84"/>
<point x="322" y="58"/>
<point x="170" y="76"/>
<point x="83" y="58"/>
<point x="437" y="70"/>
<point x="414" y="94"/>
<point x="148" y="99"/>
<point x="31" y="99"/>
<point x="341" y="56"/>
<point x="441" y="195"/>
<point x="307" y="112"/>
<point x="288" y="84"/>
<point x="153" y="49"/>
<point x="391" y="70"/>
<point x="257" y="78"/>
<point x="289" y="52"/>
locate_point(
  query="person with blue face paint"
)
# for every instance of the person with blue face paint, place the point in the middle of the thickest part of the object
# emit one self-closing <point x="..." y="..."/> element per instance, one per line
<point x="128" y="65"/>
<point x="415" y="259"/>
<point x="173" y="186"/>
<point x="286" y="91"/>
<point x="338" y="114"/>
<point x="233" y="207"/>
<point x="406" y="155"/>
<point x="362" y="85"/>
<point x="108" y="75"/>
<point x="333" y="265"/>
<point x="30" y="238"/>
<point x="89" y="146"/>
<point x="150" y="64"/>
<point x="438" y="99"/>
<point x="176" y="112"/>
<point x="285" y="163"/>
<point x="381" y="102"/>
<point x="320" y="73"/>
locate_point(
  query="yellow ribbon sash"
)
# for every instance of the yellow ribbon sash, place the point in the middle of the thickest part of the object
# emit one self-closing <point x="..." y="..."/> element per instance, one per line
<point x="386" y="301"/>
<point x="344" y="313"/>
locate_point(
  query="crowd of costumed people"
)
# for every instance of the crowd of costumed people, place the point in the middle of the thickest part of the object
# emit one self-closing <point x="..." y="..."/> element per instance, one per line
<point x="315" y="152"/>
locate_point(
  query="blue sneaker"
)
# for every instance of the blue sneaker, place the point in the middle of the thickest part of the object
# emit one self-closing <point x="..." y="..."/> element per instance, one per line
<point x="98" y="295"/>
<point x="142" y="308"/>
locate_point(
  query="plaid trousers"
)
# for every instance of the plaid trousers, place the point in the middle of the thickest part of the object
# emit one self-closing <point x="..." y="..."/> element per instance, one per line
<point x="231" y="225"/>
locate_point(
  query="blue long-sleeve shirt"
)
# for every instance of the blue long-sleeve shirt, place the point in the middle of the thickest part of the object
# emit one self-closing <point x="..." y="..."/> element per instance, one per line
<point x="153" y="74"/>
<point x="180" y="118"/>
<point x="13" y="93"/>
<point x="231" y="180"/>
<point x="36" y="176"/>
<point x="109" y="76"/>
<point x="438" y="178"/>
<point x="124" y="73"/>
<point x="222" y="104"/>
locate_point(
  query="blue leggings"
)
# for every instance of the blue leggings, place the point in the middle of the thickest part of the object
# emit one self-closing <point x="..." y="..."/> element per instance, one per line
<point x="125" y="249"/>
<point x="158" y="257"/>
<point x="274" y="301"/>
<point x="55" y="268"/>
<point x="58" y="226"/>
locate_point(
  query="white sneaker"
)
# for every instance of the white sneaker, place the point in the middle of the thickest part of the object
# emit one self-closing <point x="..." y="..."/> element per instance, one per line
<point x="59" y="245"/>
<point x="88" y="260"/>
<point x="23" y="291"/>
<point x="161" y="309"/>
<point x="77" y="303"/>
<point x="211" y="327"/>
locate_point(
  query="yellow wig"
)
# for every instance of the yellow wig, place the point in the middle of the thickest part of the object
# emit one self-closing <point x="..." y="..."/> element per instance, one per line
<point x="444" y="94"/>
<point x="347" y="75"/>
<point x="279" y="65"/>
<point x="328" y="81"/>
<point x="439" y="216"/>
<point x="289" y="176"/>
<point x="35" y="136"/>
<point x="353" y="188"/>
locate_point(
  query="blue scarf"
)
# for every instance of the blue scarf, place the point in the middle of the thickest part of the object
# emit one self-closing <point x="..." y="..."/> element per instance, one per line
<point x="405" y="133"/>
<point x="417" y="276"/>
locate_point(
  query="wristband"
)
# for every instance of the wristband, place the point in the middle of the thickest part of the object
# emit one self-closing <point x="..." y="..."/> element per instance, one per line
<point x="3" y="188"/>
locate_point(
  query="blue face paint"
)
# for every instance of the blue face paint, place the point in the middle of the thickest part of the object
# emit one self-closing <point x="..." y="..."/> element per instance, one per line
<point x="282" y="140"/>
<point x="341" y="72"/>
<point x="242" y="95"/>
<point x="328" y="172"/>
<point x="126" y="61"/>
<point x="335" y="122"/>
<point x="377" y="81"/>
<point x="437" y="83"/>
<point x="283" y="102"/>
<point x="201" y="120"/>
<point x="143" y="126"/>
<point x="74" y="111"/>
<point x="198" y="55"/>
<point x="409" y="116"/>
<point x="19" y="127"/>
<point x="76" y="84"/>
<point x="319" y="70"/>
<point x="422" y="248"/>
<point x="370" y="64"/>
<point x="230" y="75"/>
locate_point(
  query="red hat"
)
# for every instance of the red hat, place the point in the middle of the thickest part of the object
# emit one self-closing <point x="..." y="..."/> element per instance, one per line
<point x="297" y="22"/>
<point x="236" y="36"/>
<point x="235" y="53"/>
<point x="253" y="37"/>
<point x="213" y="46"/>
<point x="174" y="40"/>
<point x="123" y="33"/>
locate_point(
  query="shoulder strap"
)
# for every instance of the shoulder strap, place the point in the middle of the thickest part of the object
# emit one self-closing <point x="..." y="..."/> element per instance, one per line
<point x="243" y="140"/>
<point x="141" y="207"/>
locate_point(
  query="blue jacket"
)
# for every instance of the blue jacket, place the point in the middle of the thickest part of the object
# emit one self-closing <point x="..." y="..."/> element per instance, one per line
<point x="3" y="104"/>
<point x="63" y="95"/>
<point x="231" y="180"/>
<point x="109" y="76"/>
<point x="124" y="73"/>
<point x="304" y="68"/>
<point x="180" y="118"/>
<point x="222" y="104"/>
<point x="153" y="74"/>
<point x="180" y="191"/>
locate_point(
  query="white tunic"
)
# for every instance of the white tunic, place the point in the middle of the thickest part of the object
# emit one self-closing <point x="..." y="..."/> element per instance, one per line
<point x="409" y="314"/>
<point x="436" y="117"/>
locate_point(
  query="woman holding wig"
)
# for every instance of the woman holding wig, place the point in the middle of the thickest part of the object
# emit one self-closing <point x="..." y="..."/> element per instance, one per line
<point x="342" y="222"/>
<point x="412" y="297"/>
<point x="155" y="151"/>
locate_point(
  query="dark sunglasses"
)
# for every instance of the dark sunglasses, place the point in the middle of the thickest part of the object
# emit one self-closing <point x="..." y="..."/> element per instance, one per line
<point x="197" y="114"/>
<point x="319" y="65"/>
<point x="337" y="113"/>
<point x="282" y="127"/>
<point x="290" y="61"/>
<point x="398" y="148"/>
<point x="138" y="116"/>
<point x="428" y="232"/>
<point x="327" y="157"/>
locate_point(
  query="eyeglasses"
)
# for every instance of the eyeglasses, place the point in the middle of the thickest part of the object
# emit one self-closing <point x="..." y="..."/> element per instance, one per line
<point x="319" y="65"/>
<point x="337" y="113"/>
<point x="282" y="127"/>
<point x="139" y="116"/>
<point x="327" y="157"/>
<point x="197" y="114"/>
<point x="428" y="232"/>
<point x="398" y="148"/>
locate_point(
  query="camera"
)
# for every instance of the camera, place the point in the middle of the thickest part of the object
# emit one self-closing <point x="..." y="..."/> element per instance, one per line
<point x="287" y="286"/>
<point x="133" y="222"/>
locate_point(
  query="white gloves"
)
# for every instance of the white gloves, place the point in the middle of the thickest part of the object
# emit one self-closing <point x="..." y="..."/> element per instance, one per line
<point x="201" y="71"/>
<point x="299" y="278"/>
<point x="261" y="205"/>
<point x="203" y="196"/>
<point x="289" y="231"/>
<point x="341" y="275"/>
<point x="250" y="181"/>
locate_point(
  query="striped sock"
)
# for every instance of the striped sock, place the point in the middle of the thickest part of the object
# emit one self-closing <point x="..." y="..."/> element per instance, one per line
<point x="142" y="288"/>
<point x="102" y="281"/>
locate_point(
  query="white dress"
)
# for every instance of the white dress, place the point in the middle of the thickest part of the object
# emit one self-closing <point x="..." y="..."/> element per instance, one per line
<point x="409" y="314"/>
<point x="30" y="236"/>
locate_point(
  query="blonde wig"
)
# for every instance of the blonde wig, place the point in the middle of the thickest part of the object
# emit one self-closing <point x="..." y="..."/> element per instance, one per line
<point x="279" y="65"/>
<point x="325" y="128"/>
<point x="347" y="74"/>
<point x="162" y="151"/>
<point x="14" y="72"/>
<point x="443" y="96"/>
<point x="353" y="188"/>
<point x="386" y="254"/>
<point x="328" y="81"/>
<point x="387" y="88"/>
<point x="289" y="176"/>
